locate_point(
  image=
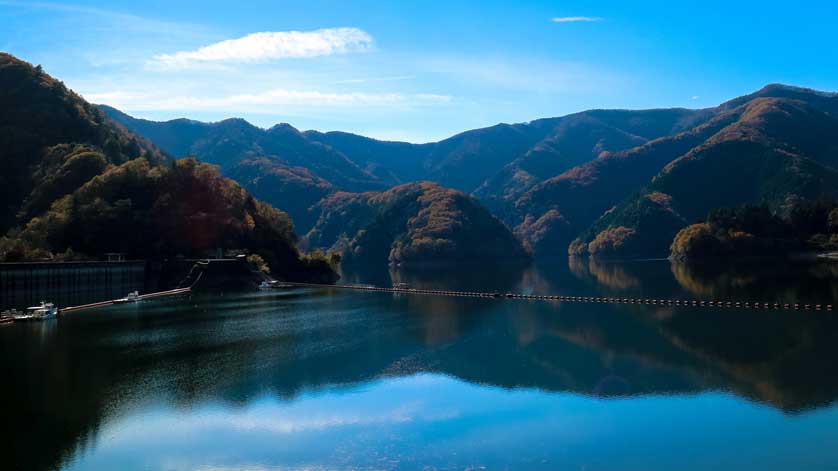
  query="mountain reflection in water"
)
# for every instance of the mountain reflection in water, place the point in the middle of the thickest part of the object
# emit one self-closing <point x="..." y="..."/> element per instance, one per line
<point x="66" y="380"/>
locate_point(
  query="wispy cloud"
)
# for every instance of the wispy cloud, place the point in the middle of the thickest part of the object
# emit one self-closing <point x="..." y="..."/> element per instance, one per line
<point x="378" y="79"/>
<point x="100" y="38"/>
<point x="113" y="18"/>
<point x="262" y="102"/>
<point x="267" y="46"/>
<point x="543" y="76"/>
<point x="63" y="7"/>
<point x="577" y="19"/>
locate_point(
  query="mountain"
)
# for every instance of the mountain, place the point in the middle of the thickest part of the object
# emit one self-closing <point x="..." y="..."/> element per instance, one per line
<point x="392" y="162"/>
<point x="754" y="231"/>
<point x="413" y="223"/>
<point x="76" y="184"/>
<point x="576" y="140"/>
<point x="51" y="141"/>
<point x="497" y="164"/>
<point x="227" y="143"/>
<point x="626" y="180"/>
<point x="296" y="169"/>
<point x="555" y="211"/>
<point x="298" y="189"/>
<point x="779" y="150"/>
<point x="487" y="161"/>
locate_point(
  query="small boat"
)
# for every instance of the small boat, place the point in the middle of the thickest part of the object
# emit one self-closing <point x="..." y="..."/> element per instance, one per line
<point x="401" y="286"/>
<point x="39" y="313"/>
<point x="9" y="316"/>
<point x="266" y="285"/>
<point x="10" y="313"/>
<point x="132" y="297"/>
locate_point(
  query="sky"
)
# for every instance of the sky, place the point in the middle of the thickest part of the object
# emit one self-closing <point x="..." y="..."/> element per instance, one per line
<point x="419" y="71"/>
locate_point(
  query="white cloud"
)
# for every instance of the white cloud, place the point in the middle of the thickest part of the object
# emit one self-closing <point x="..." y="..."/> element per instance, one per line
<point x="377" y="79"/>
<point x="694" y="97"/>
<point x="543" y="76"/>
<point x="266" y="101"/>
<point x="111" y="20"/>
<point x="266" y="46"/>
<point x="576" y="19"/>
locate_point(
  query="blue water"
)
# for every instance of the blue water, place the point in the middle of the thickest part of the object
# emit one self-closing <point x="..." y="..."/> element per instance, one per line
<point x="438" y="421"/>
<point x="311" y="379"/>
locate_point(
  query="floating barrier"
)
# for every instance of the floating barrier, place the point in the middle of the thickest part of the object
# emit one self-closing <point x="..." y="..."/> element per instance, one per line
<point x="172" y="292"/>
<point x="580" y="299"/>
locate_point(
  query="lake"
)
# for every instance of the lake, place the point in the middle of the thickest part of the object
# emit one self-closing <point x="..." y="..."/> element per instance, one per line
<point x="317" y="379"/>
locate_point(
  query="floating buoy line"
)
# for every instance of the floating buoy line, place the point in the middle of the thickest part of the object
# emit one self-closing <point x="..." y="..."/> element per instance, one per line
<point x="511" y="296"/>
<point x="580" y="299"/>
<point x="172" y="292"/>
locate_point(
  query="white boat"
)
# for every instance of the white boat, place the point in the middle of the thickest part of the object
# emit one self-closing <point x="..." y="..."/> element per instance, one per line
<point x="266" y="285"/>
<point x="38" y="313"/>
<point x="9" y="315"/>
<point x="132" y="297"/>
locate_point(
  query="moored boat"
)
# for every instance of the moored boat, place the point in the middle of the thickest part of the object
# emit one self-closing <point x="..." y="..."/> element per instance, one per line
<point x="40" y="312"/>
<point x="9" y="315"/>
<point x="132" y="297"/>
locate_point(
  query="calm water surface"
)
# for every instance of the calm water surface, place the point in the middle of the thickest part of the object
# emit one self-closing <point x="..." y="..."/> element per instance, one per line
<point x="332" y="379"/>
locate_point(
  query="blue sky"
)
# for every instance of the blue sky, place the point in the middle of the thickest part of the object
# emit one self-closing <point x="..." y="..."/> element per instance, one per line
<point x="419" y="71"/>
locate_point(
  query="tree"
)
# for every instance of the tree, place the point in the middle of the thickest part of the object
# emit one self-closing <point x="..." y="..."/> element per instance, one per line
<point x="259" y="263"/>
<point x="832" y="220"/>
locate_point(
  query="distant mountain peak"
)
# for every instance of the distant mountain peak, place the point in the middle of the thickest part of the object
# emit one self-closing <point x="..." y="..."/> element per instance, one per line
<point x="283" y="128"/>
<point x="775" y="87"/>
<point x="779" y="90"/>
<point x="240" y="123"/>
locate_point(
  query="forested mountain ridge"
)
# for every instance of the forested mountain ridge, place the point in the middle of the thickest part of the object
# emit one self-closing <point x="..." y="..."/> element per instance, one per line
<point x="227" y="143"/>
<point x="551" y="214"/>
<point x="576" y="140"/>
<point x="77" y="185"/>
<point x="779" y="152"/>
<point x="295" y="169"/>
<point x="51" y="141"/>
<point x="598" y="174"/>
<point x="414" y="223"/>
<point x="497" y="164"/>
